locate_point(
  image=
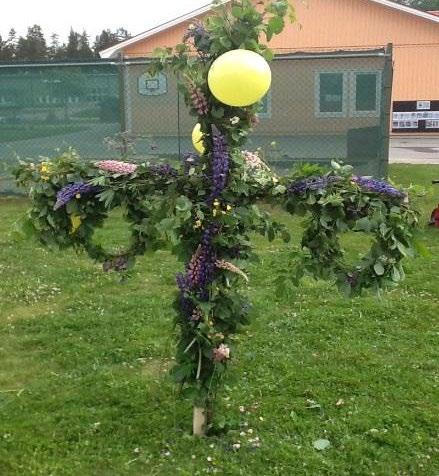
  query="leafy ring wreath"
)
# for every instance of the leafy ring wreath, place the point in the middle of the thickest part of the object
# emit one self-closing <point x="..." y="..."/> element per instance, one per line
<point x="73" y="199"/>
<point x="336" y="206"/>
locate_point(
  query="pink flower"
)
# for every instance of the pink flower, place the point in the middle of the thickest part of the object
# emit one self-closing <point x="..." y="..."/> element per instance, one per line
<point x="117" y="167"/>
<point x="221" y="353"/>
<point x="199" y="100"/>
<point x="253" y="161"/>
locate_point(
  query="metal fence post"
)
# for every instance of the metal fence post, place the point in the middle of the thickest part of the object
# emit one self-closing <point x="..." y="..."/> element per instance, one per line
<point x="121" y="75"/>
<point x="178" y="118"/>
<point x="386" y="110"/>
<point x="122" y="108"/>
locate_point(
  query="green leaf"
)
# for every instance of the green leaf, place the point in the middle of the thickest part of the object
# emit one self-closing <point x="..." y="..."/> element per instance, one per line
<point x="276" y="25"/>
<point x="396" y="275"/>
<point x="225" y="42"/>
<point x="217" y="112"/>
<point x="237" y="11"/>
<point x="363" y="224"/>
<point x="106" y="196"/>
<point x="378" y="268"/>
<point x="279" y="190"/>
<point x="183" y="204"/>
<point x="268" y="54"/>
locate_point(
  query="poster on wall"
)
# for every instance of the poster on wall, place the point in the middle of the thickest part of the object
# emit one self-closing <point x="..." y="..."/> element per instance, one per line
<point x="423" y="105"/>
<point x="405" y="124"/>
<point x="418" y="115"/>
<point x="415" y="116"/>
<point x="432" y="124"/>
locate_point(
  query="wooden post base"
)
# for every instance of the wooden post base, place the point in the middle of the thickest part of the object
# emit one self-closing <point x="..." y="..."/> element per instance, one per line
<point x="199" y="421"/>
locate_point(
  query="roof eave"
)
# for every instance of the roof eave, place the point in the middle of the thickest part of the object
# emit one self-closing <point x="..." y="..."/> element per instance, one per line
<point x="113" y="51"/>
<point x="404" y="8"/>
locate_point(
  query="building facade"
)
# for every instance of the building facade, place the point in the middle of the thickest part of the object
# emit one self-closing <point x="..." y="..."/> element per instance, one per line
<point x="346" y="25"/>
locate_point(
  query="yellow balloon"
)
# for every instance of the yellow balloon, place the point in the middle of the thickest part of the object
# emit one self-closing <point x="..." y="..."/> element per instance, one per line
<point x="239" y="78"/>
<point x="197" y="139"/>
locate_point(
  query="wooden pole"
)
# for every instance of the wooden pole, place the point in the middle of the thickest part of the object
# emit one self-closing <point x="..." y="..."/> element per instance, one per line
<point x="199" y="421"/>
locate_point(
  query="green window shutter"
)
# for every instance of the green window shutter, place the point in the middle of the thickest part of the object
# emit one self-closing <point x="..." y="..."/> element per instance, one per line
<point x="366" y="92"/>
<point x="331" y="92"/>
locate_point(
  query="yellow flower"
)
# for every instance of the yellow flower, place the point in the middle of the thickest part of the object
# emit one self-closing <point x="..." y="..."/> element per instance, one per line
<point x="45" y="169"/>
<point x="76" y="221"/>
<point x="228" y="208"/>
<point x="78" y="196"/>
<point x="216" y="203"/>
<point x="214" y="212"/>
<point x="198" y="224"/>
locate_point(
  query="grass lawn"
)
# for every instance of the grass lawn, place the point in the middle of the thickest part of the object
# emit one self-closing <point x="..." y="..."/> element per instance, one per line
<point x="84" y="389"/>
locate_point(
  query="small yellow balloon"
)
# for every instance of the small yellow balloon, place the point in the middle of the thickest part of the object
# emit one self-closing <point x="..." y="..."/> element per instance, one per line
<point x="239" y="78"/>
<point x="197" y="139"/>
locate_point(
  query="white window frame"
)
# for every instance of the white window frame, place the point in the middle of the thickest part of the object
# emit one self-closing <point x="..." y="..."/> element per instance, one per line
<point x="317" y="111"/>
<point x="353" y="99"/>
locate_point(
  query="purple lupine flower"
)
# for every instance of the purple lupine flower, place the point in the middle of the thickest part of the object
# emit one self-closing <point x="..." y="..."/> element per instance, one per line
<point x="77" y="189"/>
<point x="220" y="166"/>
<point x="200" y="37"/>
<point x="200" y="272"/>
<point x="186" y="304"/>
<point x="377" y="186"/>
<point x="201" y="268"/>
<point x="312" y="183"/>
<point x="163" y="170"/>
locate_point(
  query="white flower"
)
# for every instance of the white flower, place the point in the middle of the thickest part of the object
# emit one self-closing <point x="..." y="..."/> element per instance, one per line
<point x="234" y="120"/>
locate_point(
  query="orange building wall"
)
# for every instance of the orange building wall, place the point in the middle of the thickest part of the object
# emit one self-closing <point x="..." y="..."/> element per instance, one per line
<point x="340" y="24"/>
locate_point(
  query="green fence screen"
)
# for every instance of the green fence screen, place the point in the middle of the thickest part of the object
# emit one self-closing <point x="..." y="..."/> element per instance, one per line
<point x="322" y="106"/>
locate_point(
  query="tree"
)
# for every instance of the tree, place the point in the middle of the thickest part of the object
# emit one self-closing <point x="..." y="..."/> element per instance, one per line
<point x="107" y="38"/>
<point x="8" y="47"/>
<point x="84" y="50"/>
<point x="33" y="46"/>
<point x="72" y="47"/>
<point x="2" y="49"/>
<point x="56" y="50"/>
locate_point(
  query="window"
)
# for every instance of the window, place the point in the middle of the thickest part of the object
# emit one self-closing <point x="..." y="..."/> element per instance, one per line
<point x="347" y="93"/>
<point x="330" y="91"/>
<point x="366" y="88"/>
<point x="265" y="110"/>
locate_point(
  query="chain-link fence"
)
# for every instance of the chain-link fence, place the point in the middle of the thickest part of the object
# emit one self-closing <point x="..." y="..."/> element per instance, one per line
<point x="322" y="106"/>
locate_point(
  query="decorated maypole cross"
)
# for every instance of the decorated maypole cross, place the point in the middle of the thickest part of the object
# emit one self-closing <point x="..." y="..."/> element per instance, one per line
<point x="207" y="208"/>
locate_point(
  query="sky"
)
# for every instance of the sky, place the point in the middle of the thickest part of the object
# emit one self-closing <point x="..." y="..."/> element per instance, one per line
<point x="92" y="15"/>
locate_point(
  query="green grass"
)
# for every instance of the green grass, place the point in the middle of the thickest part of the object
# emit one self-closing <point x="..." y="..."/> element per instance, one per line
<point x="84" y="389"/>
